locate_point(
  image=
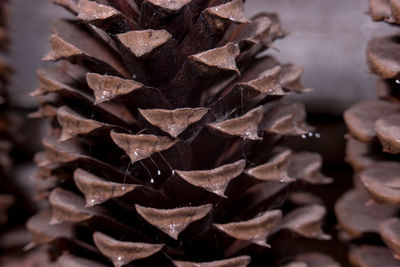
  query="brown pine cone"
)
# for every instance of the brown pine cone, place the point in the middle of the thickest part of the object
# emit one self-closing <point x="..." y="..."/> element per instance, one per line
<point x="163" y="150"/>
<point x="14" y="207"/>
<point x="373" y="149"/>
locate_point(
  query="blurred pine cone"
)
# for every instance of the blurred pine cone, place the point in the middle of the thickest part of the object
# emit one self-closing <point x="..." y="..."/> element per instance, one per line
<point x="372" y="207"/>
<point x="163" y="150"/>
<point x="14" y="205"/>
<point x="6" y="200"/>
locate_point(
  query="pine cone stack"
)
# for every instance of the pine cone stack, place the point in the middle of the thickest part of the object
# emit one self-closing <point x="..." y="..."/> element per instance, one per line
<point x="369" y="214"/>
<point x="163" y="150"/>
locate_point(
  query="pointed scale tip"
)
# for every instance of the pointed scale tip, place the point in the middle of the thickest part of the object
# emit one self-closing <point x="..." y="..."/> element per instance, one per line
<point x="214" y="180"/>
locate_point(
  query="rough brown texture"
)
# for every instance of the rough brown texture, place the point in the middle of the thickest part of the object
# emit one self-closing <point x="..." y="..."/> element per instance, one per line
<point x="164" y="124"/>
<point x="372" y="208"/>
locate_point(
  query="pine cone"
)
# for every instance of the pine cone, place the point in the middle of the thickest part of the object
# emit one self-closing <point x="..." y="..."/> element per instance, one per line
<point x="373" y="149"/>
<point x="165" y="123"/>
<point x="14" y="206"/>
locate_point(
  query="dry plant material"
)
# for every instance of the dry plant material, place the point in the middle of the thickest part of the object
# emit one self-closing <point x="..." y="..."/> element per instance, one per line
<point x="312" y="260"/>
<point x="389" y="230"/>
<point x="373" y="148"/>
<point x="15" y="208"/>
<point x="162" y="150"/>
<point x="372" y="256"/>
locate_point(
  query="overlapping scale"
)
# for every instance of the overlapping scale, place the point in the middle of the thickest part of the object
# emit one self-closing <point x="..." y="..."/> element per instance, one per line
<point x="372" y="150"/>
<point x="164" y="117"/>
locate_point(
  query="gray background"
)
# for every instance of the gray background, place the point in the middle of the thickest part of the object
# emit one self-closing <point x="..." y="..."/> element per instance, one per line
<point x="327" y="37"/>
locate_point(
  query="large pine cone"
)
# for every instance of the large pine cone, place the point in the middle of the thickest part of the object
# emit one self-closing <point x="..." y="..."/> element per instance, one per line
<point x="372" y="207"/>
<point x="163" y="151"/>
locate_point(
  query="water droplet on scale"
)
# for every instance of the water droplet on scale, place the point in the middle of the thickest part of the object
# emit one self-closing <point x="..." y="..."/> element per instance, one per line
<point x="397" y="81"/>
<point x="123" y="188"/>
<point x="134" y="76"/>
<point x="310" y="134"/>
<point x="158" y="172"/>
<point x="303" y="136"/>
<point x="104" y="95"/>
<point x="317" y="135"/>
<point x="152" y="180"/>
<point x="173" y="172"/>
<point x="172" y="228"/>
<point x="119" y="258"/>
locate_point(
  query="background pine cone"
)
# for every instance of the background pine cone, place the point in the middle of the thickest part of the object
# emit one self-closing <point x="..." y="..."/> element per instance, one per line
<point x="369" y="214"/>
<point x="6" y="199"/>
<point x="166" y="141"/>
<point x="15" y="208"/>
